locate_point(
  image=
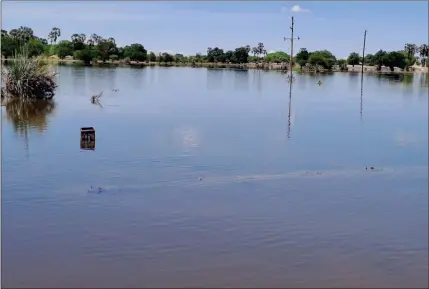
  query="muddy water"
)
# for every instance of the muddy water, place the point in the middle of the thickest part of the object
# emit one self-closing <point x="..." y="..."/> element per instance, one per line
<point x="217" y="178"/>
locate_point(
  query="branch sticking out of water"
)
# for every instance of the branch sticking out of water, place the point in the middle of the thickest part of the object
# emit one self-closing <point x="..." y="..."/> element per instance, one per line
<point x="95" y="99"/>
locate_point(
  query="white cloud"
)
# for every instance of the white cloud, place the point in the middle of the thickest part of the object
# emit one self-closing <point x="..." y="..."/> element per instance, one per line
<point x="298" y="9"/>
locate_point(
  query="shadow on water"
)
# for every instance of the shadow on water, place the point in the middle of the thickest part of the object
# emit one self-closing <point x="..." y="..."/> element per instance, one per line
<point x="28" y="116"/>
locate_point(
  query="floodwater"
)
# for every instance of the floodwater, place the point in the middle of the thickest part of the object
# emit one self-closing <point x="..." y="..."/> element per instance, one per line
<point x="217" y="178"/>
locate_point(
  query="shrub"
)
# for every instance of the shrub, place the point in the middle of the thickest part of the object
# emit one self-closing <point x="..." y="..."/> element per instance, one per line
<point x="29" y="78"/>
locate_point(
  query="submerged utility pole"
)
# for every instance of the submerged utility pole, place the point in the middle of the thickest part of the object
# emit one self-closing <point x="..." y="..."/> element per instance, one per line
<point x="291" y="48"/>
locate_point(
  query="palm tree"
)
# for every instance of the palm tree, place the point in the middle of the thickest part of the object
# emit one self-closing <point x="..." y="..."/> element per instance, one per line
<point x="424" y="53"/>
<point x="260" y="48"/>
<point x="54" y="34"/>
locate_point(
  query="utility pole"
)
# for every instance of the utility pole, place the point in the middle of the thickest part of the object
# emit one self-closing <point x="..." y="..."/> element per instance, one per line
<point x="291" y="48"/>
<point x="361" y="76"/>
<point x="363" y="51"/>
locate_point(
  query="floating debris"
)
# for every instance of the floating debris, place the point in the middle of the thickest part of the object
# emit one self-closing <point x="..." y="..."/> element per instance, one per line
<point x="95" y="190"/>
<point x="96" y="97"/>
<point x="373" y="169"/>
<point x="115" y="89"/>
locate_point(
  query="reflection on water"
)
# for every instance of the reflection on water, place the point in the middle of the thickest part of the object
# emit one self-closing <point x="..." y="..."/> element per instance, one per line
<point x="361" y="97"/>
<point x="424" y="80"/>
<point x="258" y="79"/>
<point x="204" y="191"/>
<point x="241" y="79"/>
<point x="29" y="115"/>
<point x="289" y="124"/>
<point x="353" y="79"/>
<point x="214" y="78"/>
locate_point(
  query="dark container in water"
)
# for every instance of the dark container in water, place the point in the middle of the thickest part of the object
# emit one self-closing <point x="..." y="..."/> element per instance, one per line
<point x="87" y="138"/>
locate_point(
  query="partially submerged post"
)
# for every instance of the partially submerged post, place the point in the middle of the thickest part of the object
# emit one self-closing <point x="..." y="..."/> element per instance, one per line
<point x="87" y="138"/>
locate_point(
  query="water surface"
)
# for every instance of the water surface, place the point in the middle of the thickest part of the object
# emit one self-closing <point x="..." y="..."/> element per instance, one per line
<point x="218" y="178"/>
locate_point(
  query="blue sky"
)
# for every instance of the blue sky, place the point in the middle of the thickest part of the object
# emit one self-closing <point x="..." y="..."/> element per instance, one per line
<point x="191" y="27"/>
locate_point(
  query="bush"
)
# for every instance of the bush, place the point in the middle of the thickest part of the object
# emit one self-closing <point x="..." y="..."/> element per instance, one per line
<point x="29" y="78"/>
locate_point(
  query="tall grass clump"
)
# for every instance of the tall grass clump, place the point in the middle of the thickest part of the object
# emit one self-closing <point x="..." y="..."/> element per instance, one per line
<point x="28" y="77"/>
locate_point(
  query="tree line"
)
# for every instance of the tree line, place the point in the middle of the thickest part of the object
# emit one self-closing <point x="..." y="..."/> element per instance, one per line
<point x="95" y="47"/>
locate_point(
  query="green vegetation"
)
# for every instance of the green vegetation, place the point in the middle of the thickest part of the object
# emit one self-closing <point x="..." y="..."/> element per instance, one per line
<point x="94" y="49"/>
<point x="28" y="77"/>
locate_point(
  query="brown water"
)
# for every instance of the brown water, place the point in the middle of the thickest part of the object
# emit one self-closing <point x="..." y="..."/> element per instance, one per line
<point x="217" y="178"/>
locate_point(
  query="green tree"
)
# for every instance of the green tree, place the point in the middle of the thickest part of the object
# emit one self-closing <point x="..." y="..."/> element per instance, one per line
<point x="152" y="57"/>
<point x="323" y="58"/>
<point x="8" y="46"/>
<point x="379" y="59"/>
<point x="43" y="41"/>
<point x="78" y="41"/>
<point x="215" y="55"/>
<point x="395" y="59"/>
<point x="302" y="57"/>
<point x="35" y="47"/>
<point x="230" y="57"/>
<point x="22" y="35"/>
<point x="86" y="55"/>
<point x="65" y="48"/>
<point x="353" y="59"/>
<point x="277" y="57"/>
<point x="179" y="58"/>
<point x="51" y="49"/>
<point x="135" y="52"/>
<point x="240" y="55"/>
<point x="342" y="64"/>
<point x="369" y="59"/>
<point x="25" y="34"/>
<point x="106" y="47"/>
<point x="166" y="57"/>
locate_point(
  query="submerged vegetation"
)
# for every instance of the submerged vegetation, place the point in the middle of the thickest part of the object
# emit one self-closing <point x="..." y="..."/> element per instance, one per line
<point x="28" y="77"/>
<point x="94" y="49"/>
